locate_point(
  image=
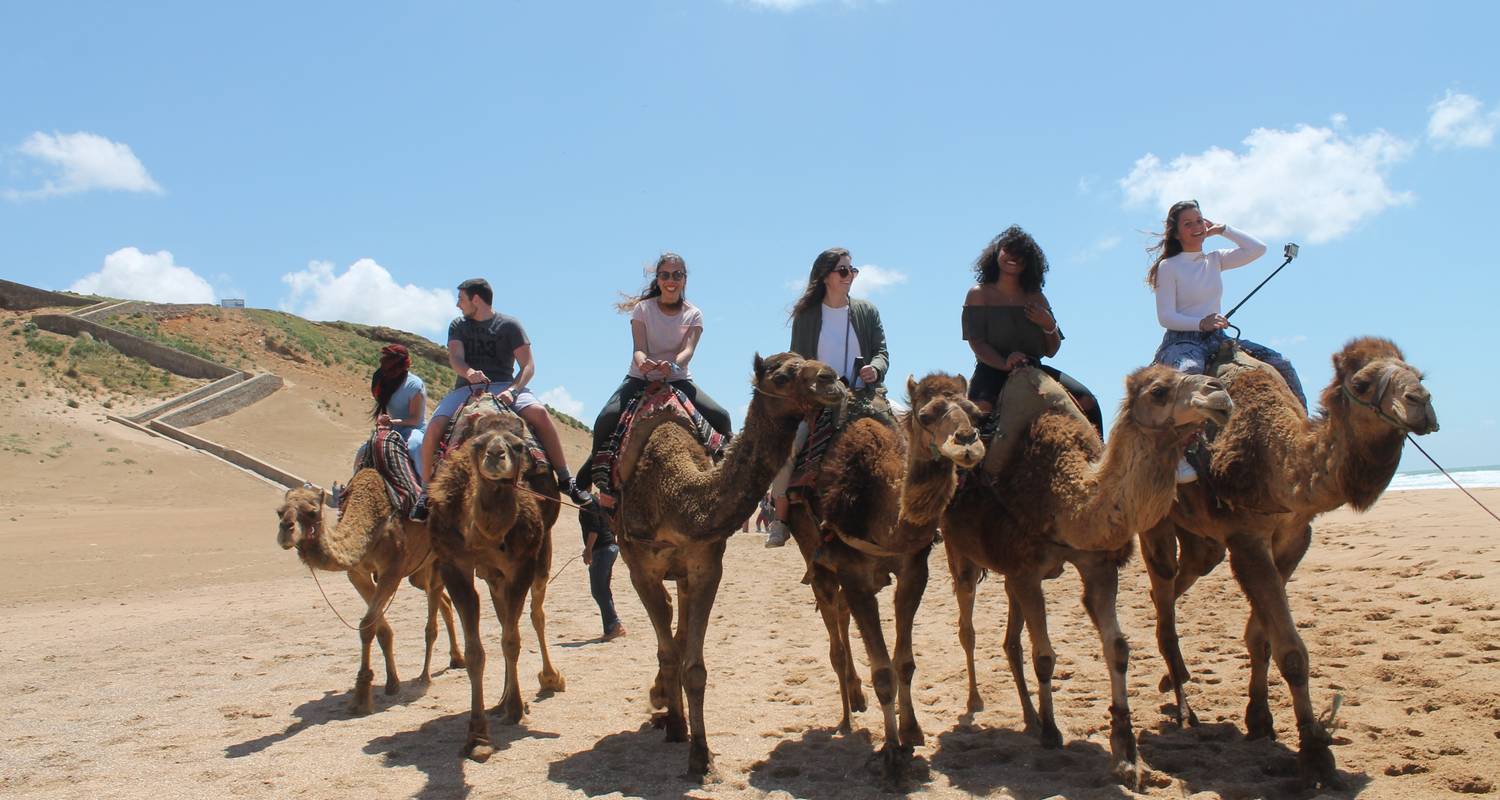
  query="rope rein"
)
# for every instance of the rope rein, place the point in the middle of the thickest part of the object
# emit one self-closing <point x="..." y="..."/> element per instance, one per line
<point x="1451" y="478"/>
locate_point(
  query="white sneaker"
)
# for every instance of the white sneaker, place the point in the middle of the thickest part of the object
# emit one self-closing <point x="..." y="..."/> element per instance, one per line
<point x="1185" y="471"/>
<point x="778" y="535"/>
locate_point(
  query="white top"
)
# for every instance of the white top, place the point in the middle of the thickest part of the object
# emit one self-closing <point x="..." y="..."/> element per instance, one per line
<point x="1189" y="286"/>
<point x="665" y="333"/>
<point x="838" y="347"/>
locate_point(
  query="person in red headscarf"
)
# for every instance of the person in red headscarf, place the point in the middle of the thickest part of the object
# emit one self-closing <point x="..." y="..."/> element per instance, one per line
<point x="400" y="399"/>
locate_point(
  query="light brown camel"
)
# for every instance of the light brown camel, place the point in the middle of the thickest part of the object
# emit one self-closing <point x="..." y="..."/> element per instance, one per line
<point x="880" y="492"/>
<point x="1067" y="498"/>
<point x="677" y="511"/>
<point x="1272" y="471"/>
<point x="376" y="547"/>
<point x="483" y="521"/>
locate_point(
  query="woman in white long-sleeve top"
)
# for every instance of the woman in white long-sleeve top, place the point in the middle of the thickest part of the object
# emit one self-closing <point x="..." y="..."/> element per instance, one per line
<point x="1189" y="288"/>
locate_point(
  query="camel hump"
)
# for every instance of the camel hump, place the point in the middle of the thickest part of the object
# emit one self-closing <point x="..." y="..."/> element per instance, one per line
<point x="640" y="432"/>
<point x="1230" y="363"/>
<point x="362" y="521"/>
<point x="1028" y="393"/>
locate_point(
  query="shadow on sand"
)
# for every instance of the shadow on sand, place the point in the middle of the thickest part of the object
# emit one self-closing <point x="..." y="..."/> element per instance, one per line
<point x="638" y="763"/>
<point x="1216" y="757"/>
<point x="982" y="760"/>
<point x="824" y="764"/>
<point x="331" y="706"/>
<point x="436" y="749"/>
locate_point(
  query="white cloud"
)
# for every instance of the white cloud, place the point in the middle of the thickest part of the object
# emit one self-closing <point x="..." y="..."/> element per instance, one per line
<point x="559" y="398"/>
<point x="133" y="275"/>
<point x="1310" y="182"/>
<point x="1098" y="248"/>
<point x="366" y="292"/>
<point x="872" y="279"/>
<point x="1458" y="120"/>
<point x="84" y="161"/>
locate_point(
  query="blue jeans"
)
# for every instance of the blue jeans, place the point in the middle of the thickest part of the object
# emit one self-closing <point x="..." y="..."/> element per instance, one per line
<point x="1189" y="351"/>
<point x="600" y="570"/>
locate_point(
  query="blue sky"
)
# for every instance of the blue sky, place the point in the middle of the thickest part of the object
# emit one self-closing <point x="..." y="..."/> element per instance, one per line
<point x="356" y="161"/>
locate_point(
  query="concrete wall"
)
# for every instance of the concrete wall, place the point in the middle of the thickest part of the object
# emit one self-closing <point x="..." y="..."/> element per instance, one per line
<point x="20" y="297"/>
<point x="158" y="355"/>
<point x="191" y="397"/>
<point x="235" y="457"/>
<point x="225" y="402"/>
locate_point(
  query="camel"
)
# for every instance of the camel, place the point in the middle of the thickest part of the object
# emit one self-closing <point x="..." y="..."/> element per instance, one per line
<point x="880" y="493"/>
<point x="677" y="511"/>
<point x="376" y="547"/>
<point x="1066" y="498"/>
<point x="1271" y="472"/>
<point x="489" y="518"/>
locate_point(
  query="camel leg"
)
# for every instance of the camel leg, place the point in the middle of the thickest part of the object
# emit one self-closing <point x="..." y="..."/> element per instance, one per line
<point x="1101" y="577"/>
<point x="825" y="591"/>
<point x="666" y="691"/>
<point x="508" y="593"/>
<point x="856" y="684"/>
<point x="1015" y="625"/>
<point x="424" y="580"/>
<point x="1263" y="583"/>
<point x="460" y="585"/>
<point x="445" y="606"/>
<point x="549" y="678"/>
<point x="362" y="702"/>
<point x="1159" y="551"/>
<point x="866" y="612"/>
<point x="910" y="585"/>
<point x="1027" y="591"/>
<point x="965" y="575"/>
<point x="698" y="603"/>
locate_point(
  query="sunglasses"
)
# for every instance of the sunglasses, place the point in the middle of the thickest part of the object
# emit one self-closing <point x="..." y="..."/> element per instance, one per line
<point x="845" y="272"/>
<point x="674" y="275"/>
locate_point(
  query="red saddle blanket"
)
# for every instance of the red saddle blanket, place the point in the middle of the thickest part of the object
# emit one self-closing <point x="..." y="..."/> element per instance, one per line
<point x="604" y="472"/>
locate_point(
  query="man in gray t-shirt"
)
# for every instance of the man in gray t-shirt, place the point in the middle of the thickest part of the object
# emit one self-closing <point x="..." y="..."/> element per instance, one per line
<point x="485" y="349"/>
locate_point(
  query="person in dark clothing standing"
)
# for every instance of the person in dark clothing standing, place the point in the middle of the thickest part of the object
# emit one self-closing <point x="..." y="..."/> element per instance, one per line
<point x="599" y="553"/>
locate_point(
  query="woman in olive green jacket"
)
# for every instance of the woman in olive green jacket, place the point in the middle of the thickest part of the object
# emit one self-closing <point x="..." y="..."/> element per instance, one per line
<point x="844" y="333"/>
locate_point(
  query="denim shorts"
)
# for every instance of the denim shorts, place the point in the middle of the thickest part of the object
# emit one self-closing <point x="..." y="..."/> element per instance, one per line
<point x="453" y="400"/>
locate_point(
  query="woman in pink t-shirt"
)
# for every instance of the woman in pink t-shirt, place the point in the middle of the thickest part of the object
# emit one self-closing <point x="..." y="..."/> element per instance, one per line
<point x="665" y="328"/>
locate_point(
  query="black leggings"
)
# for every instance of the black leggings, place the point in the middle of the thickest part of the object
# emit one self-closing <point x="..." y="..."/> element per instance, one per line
<point x="631" y="388"/>
<point x="987" y="382"/>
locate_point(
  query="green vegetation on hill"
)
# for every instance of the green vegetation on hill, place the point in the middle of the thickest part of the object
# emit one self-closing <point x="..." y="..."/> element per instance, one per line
<point x="146" y="326"/>
<point x="84" y="364"/>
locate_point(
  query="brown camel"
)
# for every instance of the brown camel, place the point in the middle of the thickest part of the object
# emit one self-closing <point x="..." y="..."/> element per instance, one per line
<point x="677" y="511"/>
<point x="484" y="521"/>
<point x="1066" y="498"/>
<point x="880" y="493"/>
<point x="1271" y="471"/>
<point x="376" y="547"/>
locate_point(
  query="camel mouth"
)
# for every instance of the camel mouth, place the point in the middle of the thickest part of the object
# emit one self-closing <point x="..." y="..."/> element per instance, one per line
<point x="496" y="474"/>
<point x="1216" y="407"/>
<point x="965" y="456"/>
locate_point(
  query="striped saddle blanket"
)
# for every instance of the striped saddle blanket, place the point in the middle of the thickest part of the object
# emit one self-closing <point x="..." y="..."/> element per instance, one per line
<point x="657" y="399"/>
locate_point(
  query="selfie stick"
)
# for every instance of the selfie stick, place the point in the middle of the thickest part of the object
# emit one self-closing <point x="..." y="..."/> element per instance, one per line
<point x="1290" y="251"/>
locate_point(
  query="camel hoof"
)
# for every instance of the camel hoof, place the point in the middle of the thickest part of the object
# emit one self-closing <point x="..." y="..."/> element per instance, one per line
<point x="360" y="709"/>
<point x="893" y="763"/>
<point x="393" y="687"/>
<point x="456" y="662"/>
<point x="1051" y="737"/>
<point x="1127" y="774"/>
<point x="425" y="679"/>
<point x="1165" y="684"/>
<point x="700" y="765"/>
<point x="976" y="704"/>
<point x="857" y="702"/>
<point x="912" y="737"/>
<point x="510" y="713"/>
<point x="1258" y="722"/>
<point x="675" y="726"/>
<point x="553" y="682"/>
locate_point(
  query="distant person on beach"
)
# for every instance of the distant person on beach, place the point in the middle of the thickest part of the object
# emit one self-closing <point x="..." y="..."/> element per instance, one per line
<point x="599" y="553"/>
<point x="484" y="349"/>
<point x="1189" y="287"/>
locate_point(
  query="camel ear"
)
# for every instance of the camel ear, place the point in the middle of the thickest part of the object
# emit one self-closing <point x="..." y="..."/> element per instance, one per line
<point x="963" y="385"/>
<point x="911" y="388"/>
<point x="760" y="367"/>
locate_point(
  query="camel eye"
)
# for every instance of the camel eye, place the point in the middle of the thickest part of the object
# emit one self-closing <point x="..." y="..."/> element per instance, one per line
<point x="1159" y="392"/>
<point x="1361" y="385"/>
<point x="781" y="379"/>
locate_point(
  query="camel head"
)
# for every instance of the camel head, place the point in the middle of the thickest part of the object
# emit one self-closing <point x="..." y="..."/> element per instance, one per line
<point x="498" y="456"/>
<point x="796" y="386"/>
<point x="1375" y="387"/>
<point x="300" y="517"/>
<point x="941" y="419"/>
<point x="1161" y="398"/>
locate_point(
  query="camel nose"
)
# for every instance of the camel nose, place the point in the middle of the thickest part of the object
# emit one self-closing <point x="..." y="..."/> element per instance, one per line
<point x="1214" y="385"/>
<point x="967" y="437"/>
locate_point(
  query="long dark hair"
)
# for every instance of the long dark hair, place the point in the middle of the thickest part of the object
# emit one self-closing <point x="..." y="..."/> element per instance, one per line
<point x="812" y="297"/>
<point x="395" y="363"/>
<point x="652" y="289"/>
<point x="1019" y="244"/>
<point x="1168" y="245"/>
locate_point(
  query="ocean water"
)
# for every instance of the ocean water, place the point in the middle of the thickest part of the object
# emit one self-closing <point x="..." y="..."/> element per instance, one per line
<point x="1471" y="478"/>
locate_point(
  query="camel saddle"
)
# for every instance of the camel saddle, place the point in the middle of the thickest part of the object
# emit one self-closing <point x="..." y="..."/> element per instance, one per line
<point x="1225" y="363"/>
<point x="482" y="405"/>
<point x="660" y="403"/>
<point x="822" y="429"/>
<point x="387" y="454"/>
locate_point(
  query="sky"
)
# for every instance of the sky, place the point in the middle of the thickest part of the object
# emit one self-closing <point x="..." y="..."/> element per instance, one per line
<point x="357" y="161"/>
